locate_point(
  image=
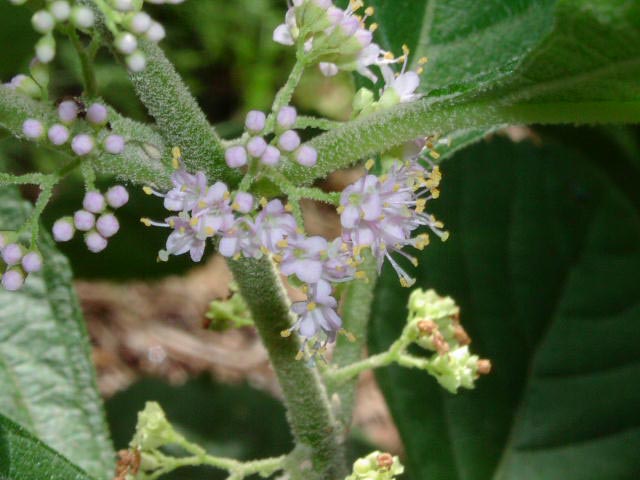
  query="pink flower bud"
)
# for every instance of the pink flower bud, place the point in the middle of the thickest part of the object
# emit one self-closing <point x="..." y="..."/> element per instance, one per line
<point x="63" y="230"/>
<point x="236" y="157"/>
<point x="58" y="134"/>
<point x="83" y="220"/>
<point x="256" y="146"/>
<point x="107" y="225"/>
<point x="117" y="196"/>
<point x="289" y="141"/>
<point x="95" y="242"/>
<point x="255" y="121"/>
<point x="32" y="262"/>
<point x="32" y="129"/>
<point x="114" y="144"/>
<point x="306" y="156"/>
<point x="271" y="156"/>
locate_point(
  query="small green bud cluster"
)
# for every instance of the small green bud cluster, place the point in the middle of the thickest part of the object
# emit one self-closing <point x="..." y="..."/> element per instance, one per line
<point x="376" y="466"/>
<point x="434" y="324"/>
<point x="153" y="430"/>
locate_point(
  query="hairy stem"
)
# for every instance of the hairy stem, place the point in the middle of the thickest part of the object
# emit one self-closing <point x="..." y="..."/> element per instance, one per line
<point x="308" y="408"/>
<point x="343" y="146"/>
<point x="179" y="118"/>
<point x="86" y="64"/>
<point x="356" y="310"/>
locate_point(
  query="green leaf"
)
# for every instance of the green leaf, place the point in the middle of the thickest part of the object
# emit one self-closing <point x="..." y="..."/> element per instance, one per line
<point x="24" y="457"/>
<point x="543" y="260"/>
<point x="47" y="380"/>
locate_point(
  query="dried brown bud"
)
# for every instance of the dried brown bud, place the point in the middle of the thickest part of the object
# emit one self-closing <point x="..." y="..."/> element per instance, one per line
<point x="484" y="366"/>
<point x="385" y="461"/>
<point x="128" y="463"/>
<point x="426" y="327"/>
<point x="439" y="343"/>
<point x="456" y="316"/>
<point x="461" y="335"/>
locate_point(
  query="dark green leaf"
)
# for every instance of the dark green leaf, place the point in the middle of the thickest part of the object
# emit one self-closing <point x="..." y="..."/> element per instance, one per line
<point x="24" y="457"/>
<point x="543" y="259"/>
<point x="47" y="380"/>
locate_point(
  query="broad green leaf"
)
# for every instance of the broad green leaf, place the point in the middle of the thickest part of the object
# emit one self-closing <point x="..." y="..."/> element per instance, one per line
<point x="47" y="381"/>
<point x="543" y="259"/>
<point x="24" y="457"/>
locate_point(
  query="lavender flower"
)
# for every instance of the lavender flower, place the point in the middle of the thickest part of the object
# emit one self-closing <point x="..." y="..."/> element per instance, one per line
<point x="255" y="121"/>
<point x="107" y="225"/>
<point x="256" y="146"/>
<point x="82" y="144"/>
<point x="287" y="117"/>
<point x="114" y="144"/>
<point x="67" y="111"/>
<point x="273" y="225"/>
<point x="304" y="257"/>
<point x="306" y="156"/>
<point x="83" y="220"/>
<point x="93" y="202"/>
<point x="97" y="114"/>
<point x="289" y="141"/>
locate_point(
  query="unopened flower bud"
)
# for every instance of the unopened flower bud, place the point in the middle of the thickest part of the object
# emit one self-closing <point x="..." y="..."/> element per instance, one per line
<point x="83" y="220"/>
<point x="126" y="43"/>
<point x="61" y="10"/>
<point x="136" y="62"/>
<point x="484" y="367"/>
<point x="93" y="202"/>
<point x="114" y="144"/>
<point x="95" y="242"/>
<point x="117" y="196"/>
<point x="82" y="17"/>
<point x="156" y="32"/>
<point x="306" y="156"/>
<point x="25" y="85"/>
<point x="46" y="49"/>
<point x="68" y="111"/>
<point x="12" y="280"/>
<point x="43" y="22"/>
<point x="287" y="117"/>
<point x="82" y="144"/>
<point x="256" y="146"/>
<point x="107" y="225"/>
<point x="32" y="129"/>
<point x="271" y="156"/>
<point x="153" y="430"/>
<point x="58" y="134"/>
<point x="138" y="22"/>
<point x="97" y="114"/>
<point x="289" y="141"/>
<point x="123" y="5"/>
<point x="236" y="157"/>
<point x="63" y="229"/>
<point x="12" y="254"/>
<point x="32" y="262"/>
<point x="255" y="121"/>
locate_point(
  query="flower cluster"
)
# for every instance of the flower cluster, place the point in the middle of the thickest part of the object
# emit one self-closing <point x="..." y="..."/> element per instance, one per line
<point x="333" y="38"/>
<point x="96" y="219"/>
<point x="284" y="144"/>
<point x="124" y="18"/>
<point x="376" y="466"/>
<point x="83" y="142"/>
<point x="18" y="262"/>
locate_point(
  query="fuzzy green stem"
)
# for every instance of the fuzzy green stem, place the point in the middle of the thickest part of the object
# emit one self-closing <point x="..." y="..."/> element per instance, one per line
<point x="356" y="310"/>
<point x="309" y="412"/>
<point x="319" y="123"/>
<point x="362" y="138"/>
<point x="86" y="64"/>
<point x="26" y="179"/>
<point x="283" y="98"/>
<point x="179" y="118"/>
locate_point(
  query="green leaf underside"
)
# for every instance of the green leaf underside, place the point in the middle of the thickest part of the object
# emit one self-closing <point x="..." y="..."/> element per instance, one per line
<point x="45" y="362"/>
<point x="24" y="457"/>
<point x="543" y="259"/>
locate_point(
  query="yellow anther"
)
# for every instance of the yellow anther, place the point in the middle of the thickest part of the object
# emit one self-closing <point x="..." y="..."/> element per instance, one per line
<point x="282" y="243"/>
<point x="299" y="355"/>
<point x="350" y="336"/>
<point x="235" y="206"/>
<point x="420" y="71"/>
<point x="340" y="209"/>
<point x="194" y="221"/>
<point x="435" y="193"/>
<point x="182" y="230"/>
<point x="433" y="154"/>
<point x="420" y="205"/>
<point x="145" y="221"/>
<point x="445" y="236"/>
<point x="176" y="155"/>
<point x="237" y="256"/>
<point x="209" y="231"/>
<point x="285" y="333"/>
<point x="202" y="204"/>
<point x="172" y="223"/>
<point x="226" y="195"/>
<point x="388" y="56"/>
<point x="423" y="60"/>
<point x="288" y="207"/>
<point x="373" y="27"/>
<point x="264" y="250"/>
<point x="414" y="262"/>
<point x="438" y="225"/>
<point x="263" y="202"/>
<point x="369" y="11"/>
<point x="277" y="258"/>
<point x="369" y="164"/>
<point x="405" y="49"/>
<point x="360" y="275"/>
<point x="147" y="190"/>
<point x="311" y="306"/>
